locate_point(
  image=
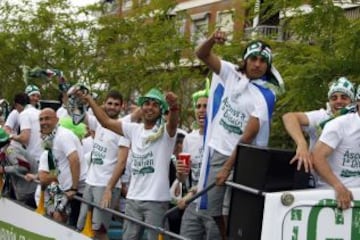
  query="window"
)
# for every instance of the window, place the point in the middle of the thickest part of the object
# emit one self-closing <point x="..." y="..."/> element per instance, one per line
<point x="200" y="27"/>
<point x="145" y="2"/>
<point x="180" y="25"/>
<point x="127" y="5"/>
<point x="225" y="21"/>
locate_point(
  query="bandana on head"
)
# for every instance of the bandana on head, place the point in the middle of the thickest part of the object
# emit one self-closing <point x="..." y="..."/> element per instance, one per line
<point x="342" y="85"/>
<point x="357" y="97"/>
<point x="258" y="49"/>
<point x="32" y="89"/>
<point x="202" y="93"/>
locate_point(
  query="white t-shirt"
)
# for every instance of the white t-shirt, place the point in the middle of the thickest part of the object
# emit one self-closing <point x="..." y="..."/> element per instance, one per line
<point x="104" y="155"/>
<point x="315" y="118"/>
<point x="241" y="100"/>
<point x="343" y="135"/>
<point x="193" y="144"/>
<point x="12" y="121"/>
<point x="29" y="119"/>
<point x="62" y="112"/>
<point x="149" y="163"/>
<point x="65" y="142"/>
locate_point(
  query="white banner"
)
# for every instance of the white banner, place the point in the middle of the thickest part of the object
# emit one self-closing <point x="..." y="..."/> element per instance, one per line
<point x="310" y="215"/>
<point x="20" y="223"/>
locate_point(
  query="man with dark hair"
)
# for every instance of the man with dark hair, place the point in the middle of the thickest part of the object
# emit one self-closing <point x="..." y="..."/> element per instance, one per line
<point x="108" y="159"/>
<point x="27" y="144"/>
<point x="244" y="113"/>
<point x="152" y="144"/>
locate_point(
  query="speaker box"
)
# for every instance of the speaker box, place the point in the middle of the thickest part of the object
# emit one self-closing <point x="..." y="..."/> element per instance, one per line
<point x="265" y="169"/>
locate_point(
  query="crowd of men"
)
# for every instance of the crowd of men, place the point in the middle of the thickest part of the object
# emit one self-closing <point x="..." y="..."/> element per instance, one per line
<point x="106" y="156"/>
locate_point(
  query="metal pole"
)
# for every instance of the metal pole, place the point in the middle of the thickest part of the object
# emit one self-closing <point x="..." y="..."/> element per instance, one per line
<point x="198" y="194"/>
<point x="155" y="228"/>
<point x="122" y="215"/>
<point x="245" y="188"/>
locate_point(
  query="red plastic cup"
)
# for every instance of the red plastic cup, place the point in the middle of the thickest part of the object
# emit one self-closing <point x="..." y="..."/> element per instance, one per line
<point x="185" y="158"/>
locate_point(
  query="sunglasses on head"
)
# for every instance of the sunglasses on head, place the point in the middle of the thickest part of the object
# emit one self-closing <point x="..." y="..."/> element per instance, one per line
<point x="197" y="106"/>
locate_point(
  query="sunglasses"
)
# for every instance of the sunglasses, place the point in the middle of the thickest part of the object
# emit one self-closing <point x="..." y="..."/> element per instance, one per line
<point x="198" y="106"/>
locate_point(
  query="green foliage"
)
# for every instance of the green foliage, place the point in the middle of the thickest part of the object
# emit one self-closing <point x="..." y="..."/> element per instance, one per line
<point x="145" y="49"/>
<point x="324" y="46"/>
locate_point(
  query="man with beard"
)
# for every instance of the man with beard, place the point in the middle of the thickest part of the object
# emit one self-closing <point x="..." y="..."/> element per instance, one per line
<point x="152" y="143"/>
<point x="108" y="159"/>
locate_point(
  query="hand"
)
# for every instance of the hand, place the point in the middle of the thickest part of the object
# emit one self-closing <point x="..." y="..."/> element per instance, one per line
<point x="1" y="170"/>
<point x="343" y="196"/>
<point x="70" y="194"/>
<point x="30" y="177"/>
<point x="182" y="168"/>
<point x="181" y="203"/>
<point x="219" y="37"/>
<point x="106" y="199"/>
<point x="171" y="99"/>
<point x="222" y="176"/>
<point x="303" y="156"/>
<point x="79" y="92"/>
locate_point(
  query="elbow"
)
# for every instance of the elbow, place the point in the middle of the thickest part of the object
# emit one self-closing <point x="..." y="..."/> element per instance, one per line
<point x="202" y="55"/>
<point x="246" y="139"/>
<point x="286" y="117"/>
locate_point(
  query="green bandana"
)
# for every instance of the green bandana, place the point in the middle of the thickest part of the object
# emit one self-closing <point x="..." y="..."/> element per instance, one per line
<point x="342" y="85"/>
<point x="258" y="49"/>
<point x="202" y="93"/>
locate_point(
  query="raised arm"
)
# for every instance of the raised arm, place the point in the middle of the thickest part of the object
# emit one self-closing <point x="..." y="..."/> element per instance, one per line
<point x="172" y="124"/>
<point x="204" y="51"/>
<point x="293" y="121"/>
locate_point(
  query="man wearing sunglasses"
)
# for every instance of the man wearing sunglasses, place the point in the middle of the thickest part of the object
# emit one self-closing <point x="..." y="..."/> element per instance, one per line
<point x="244" y="113"/>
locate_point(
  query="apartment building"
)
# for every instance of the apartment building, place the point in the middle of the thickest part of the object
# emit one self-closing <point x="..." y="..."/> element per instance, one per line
<point x="201" y="15"/>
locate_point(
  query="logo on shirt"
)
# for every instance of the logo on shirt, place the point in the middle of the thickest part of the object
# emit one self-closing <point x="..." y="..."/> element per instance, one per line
<point x="98" y="154"/>
<point x="351" y="160"/>
<point x="232" y="120"/>
<point x="142" y="164"/>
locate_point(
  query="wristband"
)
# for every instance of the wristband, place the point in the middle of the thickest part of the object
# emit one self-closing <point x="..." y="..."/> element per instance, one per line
<point x="174" y="108"/>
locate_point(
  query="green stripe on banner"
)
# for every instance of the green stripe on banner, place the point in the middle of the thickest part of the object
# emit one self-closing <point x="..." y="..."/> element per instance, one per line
<point x="11" y="232"/>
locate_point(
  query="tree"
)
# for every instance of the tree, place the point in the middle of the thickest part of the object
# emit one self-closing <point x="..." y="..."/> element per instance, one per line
<point x="46" y="34"/>
<point x="324" y="46"/>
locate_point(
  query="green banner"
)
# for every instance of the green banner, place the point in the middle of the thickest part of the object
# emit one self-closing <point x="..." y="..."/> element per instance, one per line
<point x="11" y="232"/>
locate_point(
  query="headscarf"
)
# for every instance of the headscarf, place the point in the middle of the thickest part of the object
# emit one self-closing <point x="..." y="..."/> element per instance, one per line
<point x="32" y="89"/>
<point x="342" y="85"/>
<point x="201" y="93"/>
<point x="273" y="80"/>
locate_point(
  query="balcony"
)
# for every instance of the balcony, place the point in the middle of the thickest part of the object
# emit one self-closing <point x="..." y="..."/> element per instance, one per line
<point x="264" y="31"/>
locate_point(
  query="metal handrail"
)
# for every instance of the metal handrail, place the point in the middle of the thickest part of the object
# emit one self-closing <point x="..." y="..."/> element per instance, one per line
<point x="198" y="194"/>
<point x="245" y="188"/>
<point x="160" y="230"/>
